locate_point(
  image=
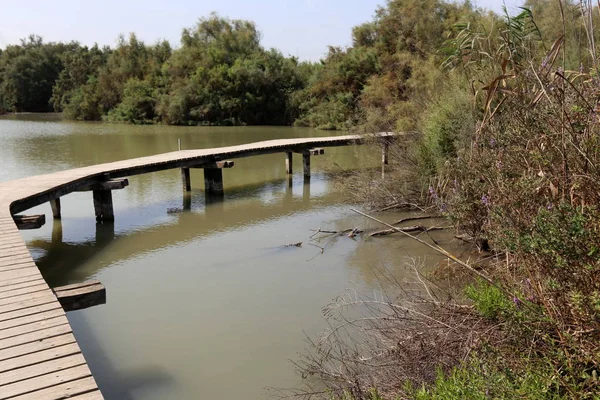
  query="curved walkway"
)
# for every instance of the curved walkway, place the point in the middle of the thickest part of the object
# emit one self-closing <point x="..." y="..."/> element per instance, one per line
<point x="39" y="356"/>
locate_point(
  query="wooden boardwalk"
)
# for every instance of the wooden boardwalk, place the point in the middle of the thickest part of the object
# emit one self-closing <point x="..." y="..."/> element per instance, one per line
<point x="39" y="355"/>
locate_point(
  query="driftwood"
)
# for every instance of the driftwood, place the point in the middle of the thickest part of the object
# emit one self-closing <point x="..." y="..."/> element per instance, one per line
<point x="416" y="218"/>
<point x="408" y="229"/>
<point x="299" y="244"/>
<point x="351" y="232"/>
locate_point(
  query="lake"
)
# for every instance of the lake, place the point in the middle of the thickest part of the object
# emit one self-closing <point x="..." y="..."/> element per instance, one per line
<point x="203" y="300"/>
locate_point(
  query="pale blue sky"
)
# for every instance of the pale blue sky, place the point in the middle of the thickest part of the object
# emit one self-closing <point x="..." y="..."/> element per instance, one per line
<point x="303" y="28"/>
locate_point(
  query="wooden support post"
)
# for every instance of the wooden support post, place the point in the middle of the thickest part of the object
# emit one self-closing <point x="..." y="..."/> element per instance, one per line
<point x="55" y="205"/>
<point x="103" y="205"/>
<point x="213" y="181"/>
<point x="25" y="222"/>
<point x="57" y="232"/>
<point x="185" y="177"/>
<point x="385" y="153"/>
<point x="306" y="164"/>
<point x="80" y="295"/>
<point x="288" y="162"/>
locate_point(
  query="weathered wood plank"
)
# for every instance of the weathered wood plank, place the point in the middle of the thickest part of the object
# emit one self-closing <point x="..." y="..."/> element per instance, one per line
<point x="23" y="312"/>
<point x="87" y="294"/>
<point x="35" y="336"/>
<point x="42" y="286"/>
<point x="28" y="319"/>
<point x="80" y="389"/>
<point x="8" y="283"/>
<point x="35" y="347"/>
<point x="19" y="331"/>
<point x="24" y="297"/>
<point x="46" y="381"/>
<point x="24" y="222"/>
<point x="22" y="285"/>
<point x="39" y="357"/>
<point x="6" y="312"/>
<point x="113" y="184"/>
<point x="43" y="368"/>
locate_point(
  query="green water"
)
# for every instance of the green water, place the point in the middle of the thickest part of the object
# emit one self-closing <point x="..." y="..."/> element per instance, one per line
<point x="204" y="303"/>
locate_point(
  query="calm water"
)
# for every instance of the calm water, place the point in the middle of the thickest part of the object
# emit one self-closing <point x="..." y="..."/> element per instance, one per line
<point x="203" y="303"/>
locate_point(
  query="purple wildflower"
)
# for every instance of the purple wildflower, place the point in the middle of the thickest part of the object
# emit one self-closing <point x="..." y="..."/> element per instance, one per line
<point x="485" y="200"/>
<point x="432" y="192"/>
<point x="516" y="301"/>
<point x="581" y="68"/>
<point x="550" y="206"/>
<point x="499" y="164"/>
<point x="443" y="207"/>
<point x="492" y="142"/>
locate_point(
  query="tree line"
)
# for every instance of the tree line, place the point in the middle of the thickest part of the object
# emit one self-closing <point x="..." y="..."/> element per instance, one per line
<point x="222" y="75"/>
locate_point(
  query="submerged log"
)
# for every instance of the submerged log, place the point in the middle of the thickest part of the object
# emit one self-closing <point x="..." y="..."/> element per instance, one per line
<point x="81" y="295"/>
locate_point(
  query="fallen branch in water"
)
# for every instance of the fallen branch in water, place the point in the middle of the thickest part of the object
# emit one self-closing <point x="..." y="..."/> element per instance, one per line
<point x="415" y="228"/>
<point x="449" y="256"/>
<point x="351" y="230"/>
<point x="416" y="218"/>
<point x="299" y="244"/>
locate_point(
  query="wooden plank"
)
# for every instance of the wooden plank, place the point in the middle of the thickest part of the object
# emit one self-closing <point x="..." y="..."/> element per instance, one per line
<point x="29" y="221"/>
<point x="41" y="316"/>
<point x="41" y="286"/>
<point x="22" y="285"/>
<point x="6" y="284"/>
<point x="95" y="395"/>
<point x="83" y="296"/>
<point x="8" y="310"/>
<point x="113" y="184"/>
<point x="18" y="265"/>
<point x="35" y="336"/>
<point x="17" y="250"/>
<point x="46" y="381"/>
<point x="35" y="347"/>
<point x="23" y="312"/>
<point x="91" y="282"/>
<point x="39" y="357"/>
<point x="20" y="273"/>
<point x="21" y="330"/>
<point x="80" y="389"/>
<point x="42" y="368"/>
<point x="13" y="258"/>
<point x="23" y="297"/>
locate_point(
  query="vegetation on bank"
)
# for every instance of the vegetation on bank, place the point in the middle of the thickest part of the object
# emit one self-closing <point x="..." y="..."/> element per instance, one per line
<point x="505" y="144"/>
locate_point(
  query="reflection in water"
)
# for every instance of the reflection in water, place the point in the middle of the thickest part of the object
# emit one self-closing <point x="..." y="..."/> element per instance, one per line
<point x="203" y="298"/>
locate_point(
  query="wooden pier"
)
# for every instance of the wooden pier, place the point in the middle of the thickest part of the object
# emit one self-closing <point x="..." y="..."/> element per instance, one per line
<point x="39" y="355"/>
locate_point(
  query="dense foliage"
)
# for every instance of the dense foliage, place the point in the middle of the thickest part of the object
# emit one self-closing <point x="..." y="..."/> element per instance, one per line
<point x="220" y="75"/>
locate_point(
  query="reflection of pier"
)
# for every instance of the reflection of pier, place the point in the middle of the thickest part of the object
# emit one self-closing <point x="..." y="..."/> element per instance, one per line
<point x="39" y="357"/>
<point x="60" y="261"/>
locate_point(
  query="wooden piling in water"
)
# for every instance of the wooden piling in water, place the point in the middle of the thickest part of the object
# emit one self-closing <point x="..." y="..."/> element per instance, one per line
<point x="213" y="181"/>
<point x="185" y="178"/>
<point x="55" y="205"/>
<point x="103" y="205"/>
<point x="306" y="164"/>
<point x="288" y="162"/>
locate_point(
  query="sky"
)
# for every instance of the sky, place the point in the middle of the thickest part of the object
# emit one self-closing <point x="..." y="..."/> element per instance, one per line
<point x="301" y="28"/>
